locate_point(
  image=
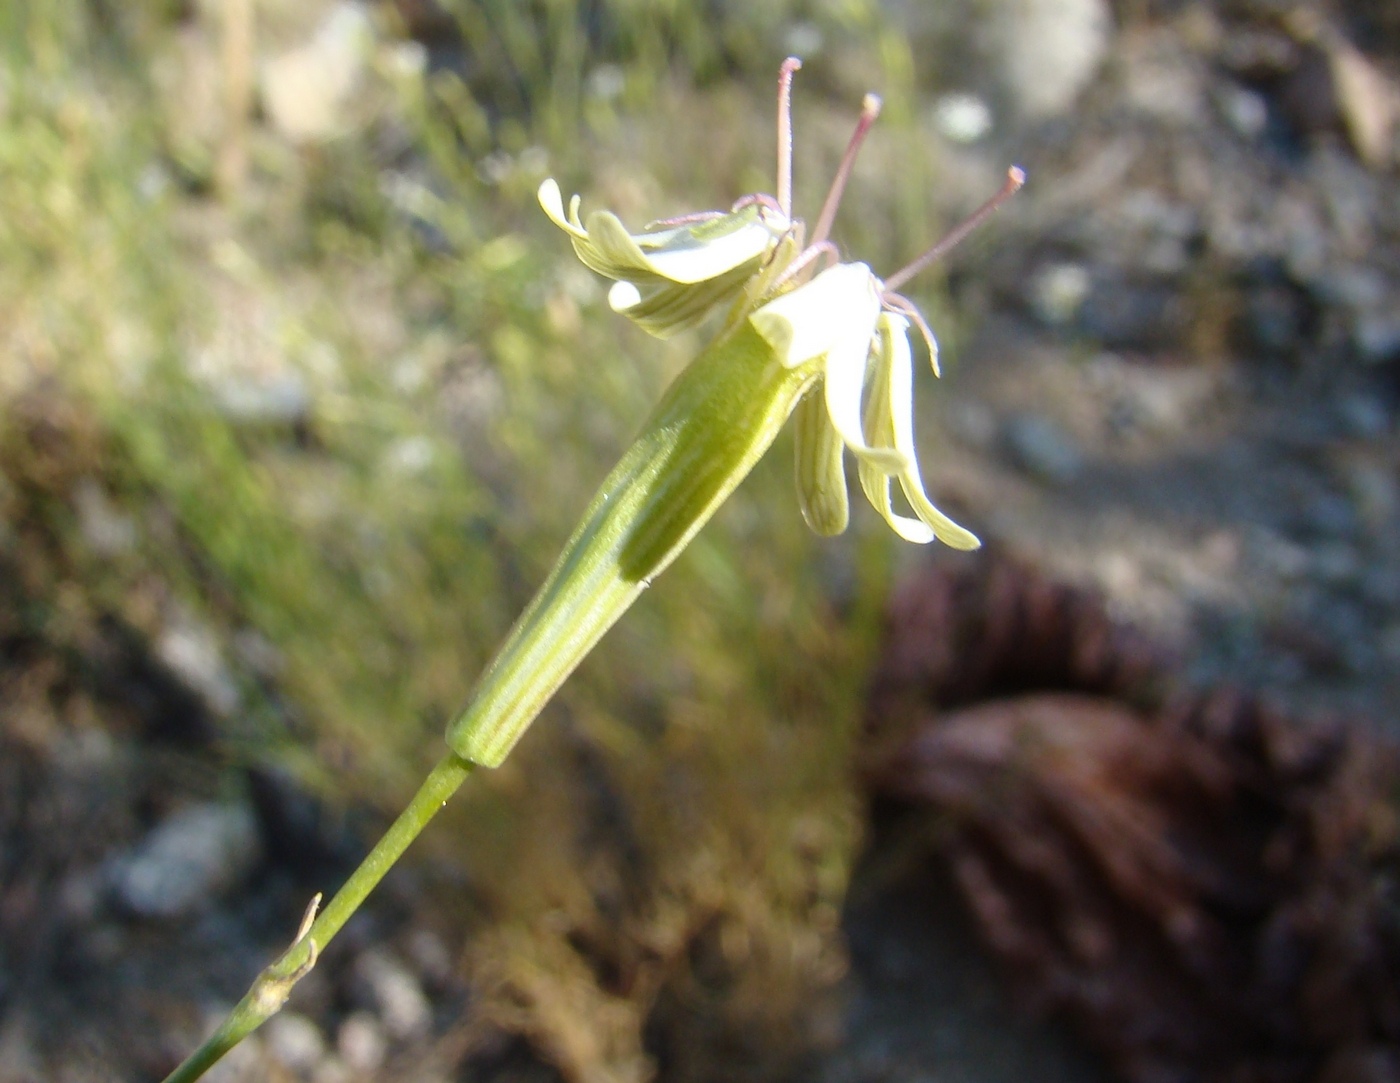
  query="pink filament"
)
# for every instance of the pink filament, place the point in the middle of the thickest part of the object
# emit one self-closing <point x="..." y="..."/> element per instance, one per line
<point x="869" y="110"/>
<point x="790" y="65"/>
<point x="1015" y="177"/>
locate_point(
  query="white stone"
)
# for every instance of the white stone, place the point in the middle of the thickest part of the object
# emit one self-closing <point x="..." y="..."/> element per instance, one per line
<point x="361" y="1043"/>
<point x="295" y="1041"/>
<point x="1048" y="51"/>
<point x="198" y="853"/>
<point x="107" y="530"/>
<point x="192" y="652"/>
<point x="397" y="994"/>
<point x="306" y="91"/>
<point x="962" y="118"/>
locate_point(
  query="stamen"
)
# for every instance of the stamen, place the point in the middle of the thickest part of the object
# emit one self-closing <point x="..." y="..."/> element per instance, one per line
<point x="869" y="110"/>
<point x="897" y="302"/>
<point x="761" y="200"/>
<point x="682" y="220"/>
<point x="790" y="65"/>
<point x="805" y="258"/>
<point x="1015" y="177"/>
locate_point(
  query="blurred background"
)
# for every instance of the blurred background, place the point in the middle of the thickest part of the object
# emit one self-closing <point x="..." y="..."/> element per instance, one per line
<point x="300" y="394"/>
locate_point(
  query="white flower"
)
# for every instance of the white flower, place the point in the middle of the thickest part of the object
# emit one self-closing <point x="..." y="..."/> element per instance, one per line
<point x="668" y="279"/>
<point x="843" y="331"/>
<point x="838" y="321"/>
<point x="830" y="347"/>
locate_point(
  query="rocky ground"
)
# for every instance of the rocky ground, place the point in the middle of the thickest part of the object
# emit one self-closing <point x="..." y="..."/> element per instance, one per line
<point x="1180" y="390"/>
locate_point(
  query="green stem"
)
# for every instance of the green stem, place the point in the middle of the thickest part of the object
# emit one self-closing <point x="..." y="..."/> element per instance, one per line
<point x="269" y="992"/>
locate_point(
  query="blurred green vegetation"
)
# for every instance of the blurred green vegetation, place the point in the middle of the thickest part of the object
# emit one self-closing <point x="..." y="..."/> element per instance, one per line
<point x="348" y="395"/>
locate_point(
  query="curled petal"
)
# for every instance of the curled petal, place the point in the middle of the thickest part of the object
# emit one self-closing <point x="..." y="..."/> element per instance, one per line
<point x="664" y="310"/>
<point x="889" y="420"/>
<point x="714" y="246"/>
<point x="552" y="200"/>
<point x="846" y="364"/>
<point x="669" y="279"/>
<point x="879" y="426"/>
<point x="821" y="477"/>
<point x="687" y="254"/>
<point x="832" y="317"/>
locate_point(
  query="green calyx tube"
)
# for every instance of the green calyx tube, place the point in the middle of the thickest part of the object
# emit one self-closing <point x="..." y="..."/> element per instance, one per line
<point x="714" y="422"/>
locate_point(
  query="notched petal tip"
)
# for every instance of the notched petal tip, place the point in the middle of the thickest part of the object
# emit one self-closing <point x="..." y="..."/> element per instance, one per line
<point x="552" y="201"/>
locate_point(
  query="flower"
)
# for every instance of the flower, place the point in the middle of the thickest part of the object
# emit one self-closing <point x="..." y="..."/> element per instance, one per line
<point x="843" y="327"/>
<point x="668" y="279"/>
<point x="839" y="320"/>
<point x="831" y="348"/>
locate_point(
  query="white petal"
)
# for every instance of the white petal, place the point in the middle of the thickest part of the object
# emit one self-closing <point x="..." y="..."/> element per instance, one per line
<point x="807" y="322"/>
<point x="693" y="254"/>
<point x="622" y="296"/>
<point x="894" y="341"/>
<point x="710" y="249"/>
<point x="845" y="380"/>
<point x="899" y="381"/>
<point x="552" y="200"/>
<point x="879" y="428"/>
<point x="948" y="532"/>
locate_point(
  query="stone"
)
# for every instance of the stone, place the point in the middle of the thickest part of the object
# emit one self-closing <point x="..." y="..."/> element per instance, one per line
<point x="1364" y="415"/>
<point x="1337" y="563"/>
<point x="1330" y="515"/>
<point x="962" y="118"/>
<point x="972" y="422"/>
<point x="333" y="1070"/>
<point x="1057" y="292"/>
<point x="1164" y="81"/>
<point x="191" y="651"/>
<point x="1375" y="493"/>
<point x="361" y="1042"/>
<point x="106" y="529"/>
<point x="432" y="957"/>
<point x="276" y="398"/>
<point x="1048" y="51"/>
<point x="295" y="1041"/>
<point x="1041" y="448"/>
<point x="307" y="91"/>
<point x="1376" y="336"/>
<point x="1389" y="643"/>
<point x="1245" y="111"/>
<point x="1141" y="314"/>
<point x="195" y="855"/>
<point x="397" y="994"/>
<point x="1273" y="317"/>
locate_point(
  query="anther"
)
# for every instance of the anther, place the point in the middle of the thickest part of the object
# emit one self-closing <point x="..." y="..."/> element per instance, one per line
<point x="1015" y="178"/>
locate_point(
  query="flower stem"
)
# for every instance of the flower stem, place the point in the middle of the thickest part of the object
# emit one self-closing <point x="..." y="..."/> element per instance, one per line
<point x="271" y="988"/>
